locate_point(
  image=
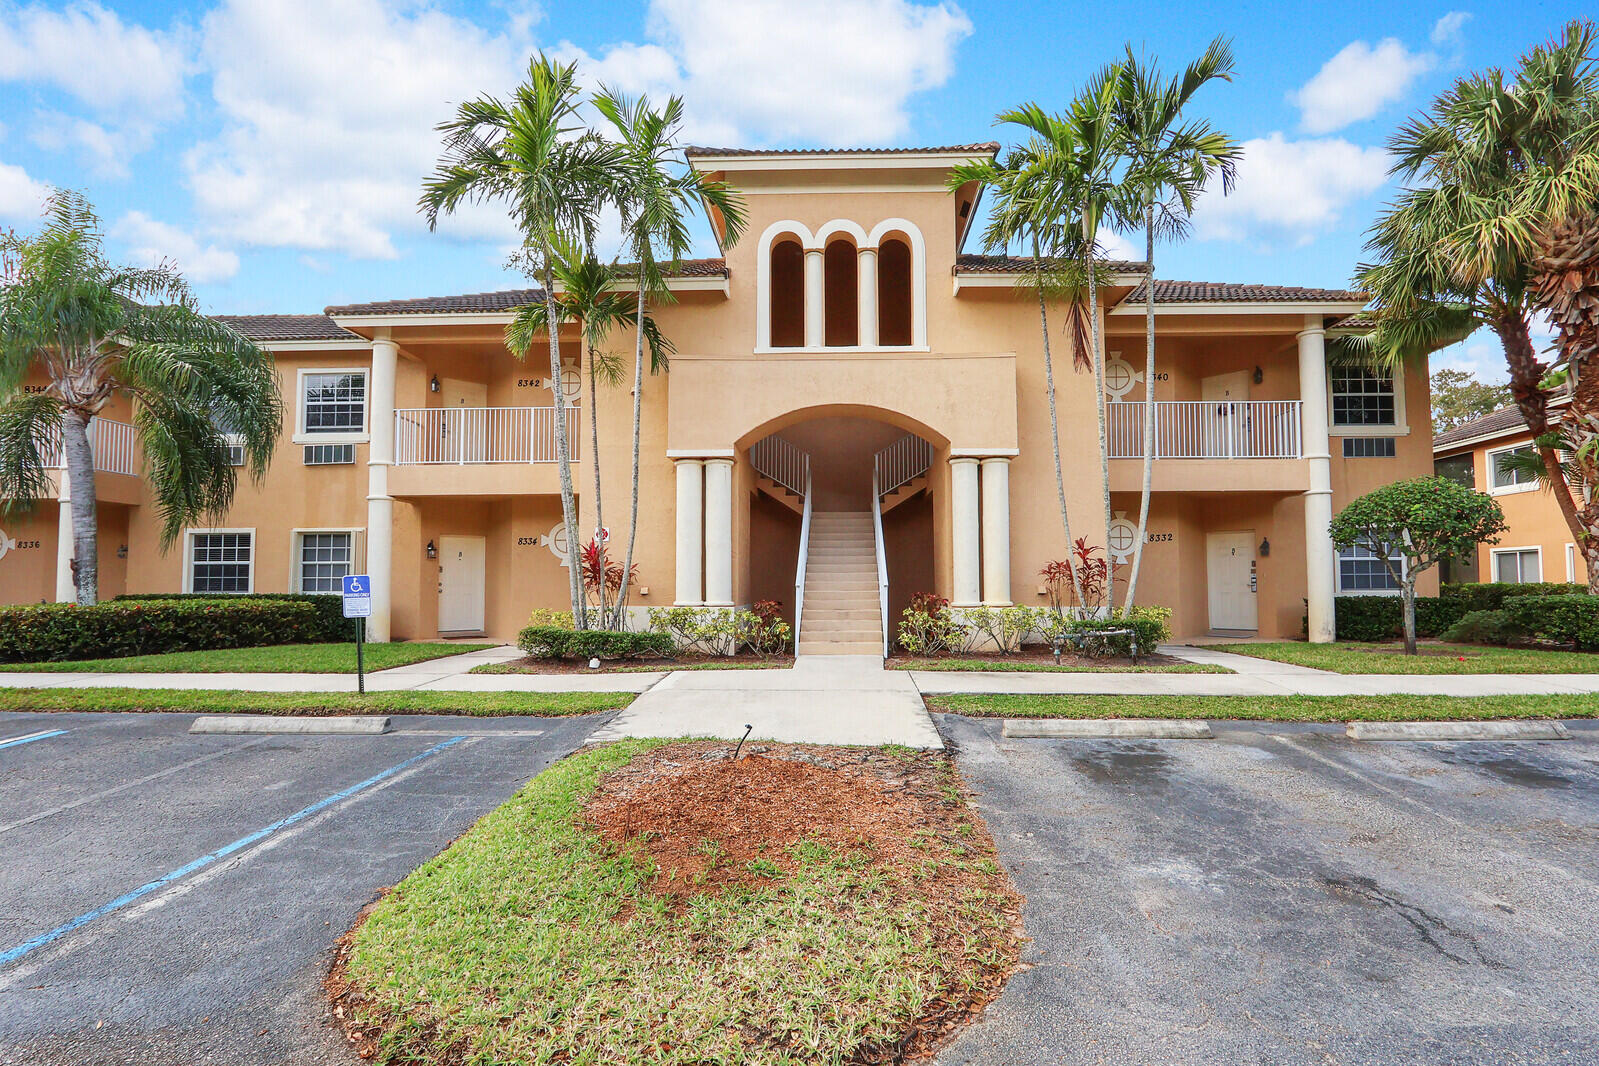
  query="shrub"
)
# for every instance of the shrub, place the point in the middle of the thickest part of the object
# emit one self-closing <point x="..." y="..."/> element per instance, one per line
<point x="1570" y="620"/>
<point x="558" y="642"/>
<point x="1151" y="625"/>
<point x="329" y="626"/>
<point x="1003" y="627"/>
<point x="705" y="630"/>
<point x="1491" y="596"/>
<point x="762" y="629"/>
<point x="544" y="616"/>
<point x="927" y="627"/>
<point x="59" y="631"/>
<point x="1484" y="627"/>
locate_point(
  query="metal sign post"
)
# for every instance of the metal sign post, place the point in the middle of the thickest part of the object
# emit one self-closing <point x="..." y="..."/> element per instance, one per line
<point x="358" y="605"/>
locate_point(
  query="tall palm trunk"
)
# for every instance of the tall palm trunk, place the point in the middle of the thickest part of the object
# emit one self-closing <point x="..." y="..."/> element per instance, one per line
<point x="1149" y="402"/>
<point x="79" y="455"/>
<point x="563" y="454"/>
<point x="638" y="398"/>
<point x="1099" y="391"/>
<point x="1054" y="422"/>
<point x="594" y="461"/>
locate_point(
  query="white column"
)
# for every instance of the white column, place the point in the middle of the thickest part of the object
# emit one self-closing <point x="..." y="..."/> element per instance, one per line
<point x="964" y="538"/>
<point x="815" y="299"/>
<point x="996" y="532"/>
<point x="1319" y="560"/>
<point x="866" y="300"/>
<point x="690" y="519"/>
<point x="66" y="590"/>
<point x="719" y="532"/>
<point x="379" y="504"/>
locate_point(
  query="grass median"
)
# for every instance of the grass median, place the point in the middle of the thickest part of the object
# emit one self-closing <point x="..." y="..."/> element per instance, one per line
<point x="274" y="659"/>
<point x="1270" y="708"/>
<point x="669" y="905"/>
<point x="234" y="701"/>
<point x="1348" y="657"/>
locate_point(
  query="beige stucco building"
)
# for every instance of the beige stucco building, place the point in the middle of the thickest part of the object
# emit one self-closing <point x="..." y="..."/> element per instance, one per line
<point x="1538" y="545"/>
<point x="847" y="332"/>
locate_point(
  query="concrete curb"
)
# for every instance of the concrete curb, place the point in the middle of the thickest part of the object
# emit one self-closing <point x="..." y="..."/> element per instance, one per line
<point x="1518" y="730"/>
<point x="348" y="725"/>
<point x="1090" y="728"/>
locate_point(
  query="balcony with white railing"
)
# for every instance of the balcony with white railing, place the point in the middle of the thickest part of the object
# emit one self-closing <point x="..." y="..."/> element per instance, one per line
<point x="115" y="446"/>
<point x="1207" y="429"/>
<point x="487" y="450"/>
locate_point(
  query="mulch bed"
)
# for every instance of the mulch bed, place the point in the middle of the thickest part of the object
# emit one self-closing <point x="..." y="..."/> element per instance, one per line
<point x="618" y="666"/>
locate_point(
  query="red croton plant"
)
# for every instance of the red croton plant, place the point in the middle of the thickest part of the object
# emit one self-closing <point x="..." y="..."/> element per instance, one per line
<point x="1093" y="570"/>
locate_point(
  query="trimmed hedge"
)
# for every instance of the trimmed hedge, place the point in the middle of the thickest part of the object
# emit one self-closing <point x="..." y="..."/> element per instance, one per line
<point x="53" y="632"/>
<point x="558" y="642"/>
<point x="1379" y="618"/>
<point x="330" y="625"/>
<point x="1570" y="620"/>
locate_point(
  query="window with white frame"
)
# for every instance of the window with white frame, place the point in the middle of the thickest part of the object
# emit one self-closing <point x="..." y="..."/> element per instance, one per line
<point x="1363" y="396"/>
<point x="323" y="559"/>
<point x="1571" y="562"/>
<point x="333" y="402"/>
<point x="222" y="561"/>
<point x="1360" y="570"/>
<point x="1518" y="564"/>
<point x="1502" y="473"/>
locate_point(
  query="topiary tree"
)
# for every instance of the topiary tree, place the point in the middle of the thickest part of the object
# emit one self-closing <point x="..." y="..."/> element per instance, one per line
<point x="1412" y="525"/>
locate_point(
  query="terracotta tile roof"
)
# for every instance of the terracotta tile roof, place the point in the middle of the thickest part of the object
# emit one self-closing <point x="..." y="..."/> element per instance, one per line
<point x="505" y="299"/>
<point x="286" y="327"/>
<point x="1503" y="422"/>
<point x="1200" y="292"/>
<point x="989" y="147"/>
<point x="1015" y="264"/>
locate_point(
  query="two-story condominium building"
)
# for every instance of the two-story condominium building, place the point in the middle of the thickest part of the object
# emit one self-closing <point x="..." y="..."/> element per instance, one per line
<point x="844" y="371"/>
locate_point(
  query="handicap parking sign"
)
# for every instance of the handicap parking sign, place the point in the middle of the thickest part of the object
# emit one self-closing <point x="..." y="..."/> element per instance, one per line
<point x="357" y="596"/>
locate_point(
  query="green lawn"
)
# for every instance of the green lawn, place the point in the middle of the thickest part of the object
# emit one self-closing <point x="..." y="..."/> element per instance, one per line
<point x="534" y="940"/>
<point x="1348" y="657"/>
<point x="222" y="701"/>
<point x="1005" y="666"/>
<point x="1269" y="708"/>
<point x="275" y="659"/>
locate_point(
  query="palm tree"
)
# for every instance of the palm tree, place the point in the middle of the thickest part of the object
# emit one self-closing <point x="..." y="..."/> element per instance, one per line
<point x="533" y="153"/>
<point x="1168" y="166"/>
<point x="93" y="330"/>
<point x="1021" y="214"/>
<point x="1491" y="166"/>
<point x="658" y="193"/>
<point x="588" y="296"/>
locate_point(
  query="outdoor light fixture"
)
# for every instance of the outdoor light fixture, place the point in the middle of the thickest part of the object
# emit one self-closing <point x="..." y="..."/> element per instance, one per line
<point x="1265" y="547"/>
<point x="122" y="551"/>
<point x="433" y="553"/>
<point x="1260" y="375"/>
<point x="433" y="386"/>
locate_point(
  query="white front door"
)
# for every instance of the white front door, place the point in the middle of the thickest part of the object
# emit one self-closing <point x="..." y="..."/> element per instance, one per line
<point x="1230" y="572"/>
<point x="1224" y="420"/>
<point x="461" y="583"/>
<point x="465" y="426"/>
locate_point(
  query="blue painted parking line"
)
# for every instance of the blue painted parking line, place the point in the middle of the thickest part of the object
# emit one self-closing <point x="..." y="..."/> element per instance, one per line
<point x="31" y="737"/>
<point x="13" y="954"/>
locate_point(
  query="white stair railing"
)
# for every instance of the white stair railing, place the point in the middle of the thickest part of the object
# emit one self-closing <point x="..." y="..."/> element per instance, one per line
<point x="902" y="462"/>
<point x="804" y="554"/>
<point x="882" y="560"/>
<point x="781" y="461"/>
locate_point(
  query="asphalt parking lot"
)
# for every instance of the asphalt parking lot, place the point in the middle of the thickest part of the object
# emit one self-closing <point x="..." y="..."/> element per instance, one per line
<point x="1293" y="898"/>
<point x="172" y="899"/>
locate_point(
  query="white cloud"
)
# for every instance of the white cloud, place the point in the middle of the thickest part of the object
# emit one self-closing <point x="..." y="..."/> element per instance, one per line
<point x="1481" y="355"/>
<point x="107" y="150"/>
<point x="324" y="145"/>
<point x="830" y="73"/>
<point x="21" y="197"/>
<point x="1446" y="32"/>
<point x="1290" y="190"/>
<point x="1357" y="83"/>
<point x="151" y="241"/>
<point x="1116" y="246"/>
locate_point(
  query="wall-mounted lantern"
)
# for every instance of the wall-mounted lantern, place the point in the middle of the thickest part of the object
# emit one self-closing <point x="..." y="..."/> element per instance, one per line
<point x="1260" y="375"/>
<point x="122" y="551"/>
<point x="433" y="385"/>
<point x="433" y="552"/>
<point x="1265" y="547"/>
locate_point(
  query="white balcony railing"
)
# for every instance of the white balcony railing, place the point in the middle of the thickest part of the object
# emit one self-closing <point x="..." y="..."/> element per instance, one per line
<point x="461" y="435"/>
<point x="1207" y="429"/>
<point x="115" y="445"/>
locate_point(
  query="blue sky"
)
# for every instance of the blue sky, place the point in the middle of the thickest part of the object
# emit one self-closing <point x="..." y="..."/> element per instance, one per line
<point x="273" y="148"/>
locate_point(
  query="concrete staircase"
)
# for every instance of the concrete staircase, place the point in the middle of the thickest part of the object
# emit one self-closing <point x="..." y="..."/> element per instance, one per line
<point x="841" y="614"/>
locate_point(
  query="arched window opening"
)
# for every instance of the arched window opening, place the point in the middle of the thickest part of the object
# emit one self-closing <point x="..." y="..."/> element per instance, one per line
<point x="842" y="293"/>
<point x="788" y="294"/>
<point x="894" y="293"/>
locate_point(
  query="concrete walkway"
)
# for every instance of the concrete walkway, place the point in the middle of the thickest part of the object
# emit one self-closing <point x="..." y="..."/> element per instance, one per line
<point x="824" y="699"/>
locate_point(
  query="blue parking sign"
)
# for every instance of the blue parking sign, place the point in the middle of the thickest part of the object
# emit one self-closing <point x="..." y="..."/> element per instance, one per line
<point x="357" y="596"/>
